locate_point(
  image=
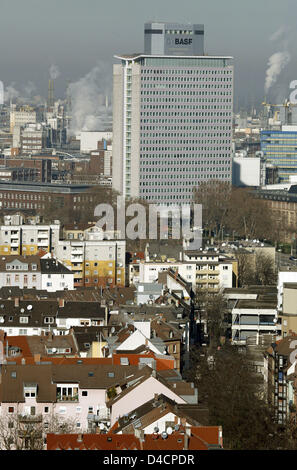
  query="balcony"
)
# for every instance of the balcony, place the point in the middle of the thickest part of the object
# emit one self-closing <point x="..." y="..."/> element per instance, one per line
<point x="42" y="234"/>
<point x="103" y="414"/>
<point x="76" y="258"/>
<point x="42" y="242"/>
<point x="30" y="419"/>
<point x="63" y="398"/>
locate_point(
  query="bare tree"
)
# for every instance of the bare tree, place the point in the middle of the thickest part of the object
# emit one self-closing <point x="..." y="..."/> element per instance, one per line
<point x="246" y="271"/>
<point x="230" y="388"/>
<point x="213" y="312"/>
<point x="248" y="216"/>
<point x="265" y="272"/>
<point x="19" y="432"/>
<point x="214" y="196"/>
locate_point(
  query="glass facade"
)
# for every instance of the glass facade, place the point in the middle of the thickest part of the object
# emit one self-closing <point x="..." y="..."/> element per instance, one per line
<point x="280" y="149"/>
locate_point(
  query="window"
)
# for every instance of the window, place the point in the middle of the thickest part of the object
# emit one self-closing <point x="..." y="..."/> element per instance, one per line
<point x="124" y="361"/>
<point x="24" y="319"/>
<point x="10" y="409"/>
<point x="84" y="393"/>
<point x="46" y="409"/>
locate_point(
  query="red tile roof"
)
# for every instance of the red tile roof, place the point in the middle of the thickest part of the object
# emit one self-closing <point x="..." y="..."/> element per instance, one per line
<point x="64" y="360"/>
<point x="200" y="438"/>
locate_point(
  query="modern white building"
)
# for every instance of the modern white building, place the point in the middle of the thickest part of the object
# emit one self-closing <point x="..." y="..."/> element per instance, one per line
<point x="201" y="269"/>
<point x="254" y="312"/>
<point x="248" y="171"/>
<point x="285" y="275"/>
<point x="89" y="139"/>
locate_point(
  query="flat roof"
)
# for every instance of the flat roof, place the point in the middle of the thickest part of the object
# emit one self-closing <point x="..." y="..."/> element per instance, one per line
<point x="43" y="187"/>
<point x="164" y="56"/>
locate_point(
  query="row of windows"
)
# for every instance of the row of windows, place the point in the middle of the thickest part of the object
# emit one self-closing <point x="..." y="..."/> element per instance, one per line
<point x="146" y="132"/>
<point x="168" y="71"/>
<point x="216" y="79"/>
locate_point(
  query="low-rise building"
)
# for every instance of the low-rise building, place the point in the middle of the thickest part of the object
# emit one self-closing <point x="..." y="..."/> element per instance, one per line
<point x="254" y="312"/>
<point x="278" y="370"/>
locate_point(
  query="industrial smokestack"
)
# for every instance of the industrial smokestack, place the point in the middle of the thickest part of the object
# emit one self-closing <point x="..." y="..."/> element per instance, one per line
<point x="50" y="98"/>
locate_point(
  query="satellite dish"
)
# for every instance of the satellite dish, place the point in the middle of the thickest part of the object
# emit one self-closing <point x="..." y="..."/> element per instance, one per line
<point x="29" y="307"/>
<point x="22" y="310"/>
<point x="164" y="435"/>
<point x="176" y="427"/>
<point x="156" y="429"/>
<point x="101" y="426"/>
<point x="169" y="430"/>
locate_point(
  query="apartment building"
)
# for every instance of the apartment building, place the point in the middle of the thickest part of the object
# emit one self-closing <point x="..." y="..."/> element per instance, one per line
<point x="202" y="269"/>
<point x="93" y="260"/>
<point x="17" y="238"/>
<point x="278" y="369"/>
<point x="254" y="312"/>
<point x="32" y="272"/>
<point x="34" y="316"/>
<point x="288" y="311"/>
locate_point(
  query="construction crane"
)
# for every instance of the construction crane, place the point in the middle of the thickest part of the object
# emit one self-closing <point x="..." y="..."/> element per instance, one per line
<point x="287" y="105"/>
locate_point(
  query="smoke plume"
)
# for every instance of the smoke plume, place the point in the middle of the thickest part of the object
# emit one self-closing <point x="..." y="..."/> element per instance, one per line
<point x="277" y="61"/>
<point x="87" y="95"/>
<point x="23" y="95"/>
<point x="54" y="72"/>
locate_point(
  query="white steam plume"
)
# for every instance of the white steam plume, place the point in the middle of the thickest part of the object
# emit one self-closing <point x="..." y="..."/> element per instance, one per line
<point x="25" y="95"/>
<point x="276" y="64"/>
<point x="277" y="61"/>
<point x="54" y="72"/>
<point x="87" y="96"/>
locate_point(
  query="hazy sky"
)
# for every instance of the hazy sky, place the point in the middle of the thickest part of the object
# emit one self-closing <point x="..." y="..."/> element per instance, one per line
<point x="77" y="34"/>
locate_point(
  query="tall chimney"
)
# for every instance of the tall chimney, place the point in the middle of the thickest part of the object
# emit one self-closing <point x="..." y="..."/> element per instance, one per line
<point x="50" y="98"/>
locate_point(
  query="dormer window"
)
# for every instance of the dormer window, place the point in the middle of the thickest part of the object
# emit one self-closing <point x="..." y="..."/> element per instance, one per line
<point x="30" y="390"/>
<point x="24" y="319"/>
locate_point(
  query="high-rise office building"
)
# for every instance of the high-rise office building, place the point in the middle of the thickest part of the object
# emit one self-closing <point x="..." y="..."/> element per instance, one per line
<point x="172" y="116"/>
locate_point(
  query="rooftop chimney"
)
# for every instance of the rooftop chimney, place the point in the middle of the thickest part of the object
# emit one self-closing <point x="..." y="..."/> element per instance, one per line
<point x="37" y="357"/>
